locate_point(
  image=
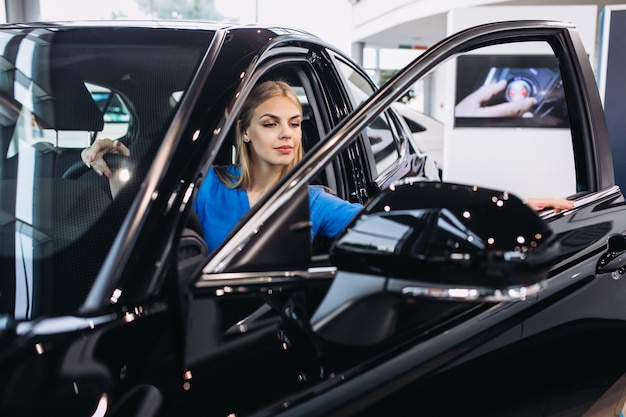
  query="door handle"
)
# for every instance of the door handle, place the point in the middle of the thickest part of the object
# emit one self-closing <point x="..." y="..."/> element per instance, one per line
<point x="614" y="260"/>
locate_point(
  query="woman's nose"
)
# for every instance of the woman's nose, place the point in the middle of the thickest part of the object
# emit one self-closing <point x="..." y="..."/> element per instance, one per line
<point x="286" y="132"/>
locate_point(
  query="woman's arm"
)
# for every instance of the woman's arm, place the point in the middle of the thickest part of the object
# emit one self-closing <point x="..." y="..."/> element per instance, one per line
<point x="557" y="204"/>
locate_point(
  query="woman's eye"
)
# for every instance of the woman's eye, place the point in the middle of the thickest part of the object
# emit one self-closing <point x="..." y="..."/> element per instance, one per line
<point x="269" y="124"/>
<point x="295" y="124"/>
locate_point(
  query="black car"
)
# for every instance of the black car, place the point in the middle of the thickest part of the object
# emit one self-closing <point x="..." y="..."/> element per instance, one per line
<point x="440" y="298"/>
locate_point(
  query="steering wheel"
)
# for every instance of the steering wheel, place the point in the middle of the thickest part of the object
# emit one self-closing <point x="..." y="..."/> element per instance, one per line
<point x="113" y="160"/>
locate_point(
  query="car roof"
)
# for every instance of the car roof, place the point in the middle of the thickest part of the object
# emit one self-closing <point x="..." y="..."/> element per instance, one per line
<point x="152" y="24"/>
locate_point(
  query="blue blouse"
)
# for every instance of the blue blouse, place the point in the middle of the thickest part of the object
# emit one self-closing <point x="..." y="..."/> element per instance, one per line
<point x="219" y="208"/>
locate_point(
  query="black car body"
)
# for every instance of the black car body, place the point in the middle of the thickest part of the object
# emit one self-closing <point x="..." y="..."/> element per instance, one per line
<point x="439" y="298"/>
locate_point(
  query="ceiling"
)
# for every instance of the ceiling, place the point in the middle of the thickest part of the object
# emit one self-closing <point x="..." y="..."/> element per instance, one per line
<point x="426" y="31"/>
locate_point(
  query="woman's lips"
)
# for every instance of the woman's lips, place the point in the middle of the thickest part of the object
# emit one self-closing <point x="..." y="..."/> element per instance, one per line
<point x="284" y="149"/>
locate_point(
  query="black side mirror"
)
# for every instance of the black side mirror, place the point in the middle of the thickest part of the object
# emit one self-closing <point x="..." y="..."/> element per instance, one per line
<point x="432" y="240"/>
<point x="449" y="235"/>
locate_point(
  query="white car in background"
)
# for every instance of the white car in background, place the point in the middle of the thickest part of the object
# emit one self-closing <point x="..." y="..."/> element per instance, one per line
<point x="427" y="132"/>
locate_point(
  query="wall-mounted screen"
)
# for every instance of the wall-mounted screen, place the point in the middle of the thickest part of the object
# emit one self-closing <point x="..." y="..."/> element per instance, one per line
<point x="509" y="91"/>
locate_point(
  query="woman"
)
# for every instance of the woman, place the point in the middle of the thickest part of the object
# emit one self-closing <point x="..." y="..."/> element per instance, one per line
<point x="269" y="143"/>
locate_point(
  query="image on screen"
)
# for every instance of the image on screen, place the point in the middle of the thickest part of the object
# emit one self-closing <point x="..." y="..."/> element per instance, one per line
<point x="509" y="91"/>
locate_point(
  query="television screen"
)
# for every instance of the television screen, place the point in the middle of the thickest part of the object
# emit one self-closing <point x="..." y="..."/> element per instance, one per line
<point x="509" y="91"/>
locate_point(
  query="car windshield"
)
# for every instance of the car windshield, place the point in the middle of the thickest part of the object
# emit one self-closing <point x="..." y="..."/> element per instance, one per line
<point x="61" y="89"/>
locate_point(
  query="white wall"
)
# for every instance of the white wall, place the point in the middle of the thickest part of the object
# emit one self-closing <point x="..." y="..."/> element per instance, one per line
<point x="88" y="9"/>
<point x="584" y="17"/>
<point x="331" y="20"/>
<point x="373" y="16"/>
<point x="3" y="9"/>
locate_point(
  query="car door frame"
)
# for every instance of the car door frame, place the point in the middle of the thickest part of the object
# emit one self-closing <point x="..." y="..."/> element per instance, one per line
<point x="593" y="141"/>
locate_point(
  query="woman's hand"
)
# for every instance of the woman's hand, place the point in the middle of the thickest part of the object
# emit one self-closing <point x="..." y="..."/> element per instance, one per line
<point x="93" y="155"/>
<point x="557" y="204"/>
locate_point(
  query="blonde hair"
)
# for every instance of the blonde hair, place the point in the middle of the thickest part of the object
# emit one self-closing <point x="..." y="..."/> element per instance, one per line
<point x="259" y="94"/>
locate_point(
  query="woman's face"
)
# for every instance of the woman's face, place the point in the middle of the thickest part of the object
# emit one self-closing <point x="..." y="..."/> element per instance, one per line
<point x="274" y="133"/>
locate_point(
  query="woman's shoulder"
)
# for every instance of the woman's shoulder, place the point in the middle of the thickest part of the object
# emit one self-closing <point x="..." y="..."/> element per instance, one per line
<point x="320" y="190"/>
<point x="315" y="189"/>
<point x="226" y="174"/>
<point x="323" y="196"/>
<point x="220" y="169"/>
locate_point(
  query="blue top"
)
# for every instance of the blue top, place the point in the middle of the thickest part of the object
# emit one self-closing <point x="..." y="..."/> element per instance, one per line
<point x="220" y="208"/>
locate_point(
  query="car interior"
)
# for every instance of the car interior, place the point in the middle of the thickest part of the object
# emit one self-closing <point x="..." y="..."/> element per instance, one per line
<point x="65" y="218"/>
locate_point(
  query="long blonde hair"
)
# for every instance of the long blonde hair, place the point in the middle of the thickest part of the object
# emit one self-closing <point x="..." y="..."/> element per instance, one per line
<point x="259" y="94"/>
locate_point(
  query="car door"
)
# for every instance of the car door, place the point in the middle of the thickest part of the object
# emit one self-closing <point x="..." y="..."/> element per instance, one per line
<point x="533" y="345"/>
<point x="442" y="332"/>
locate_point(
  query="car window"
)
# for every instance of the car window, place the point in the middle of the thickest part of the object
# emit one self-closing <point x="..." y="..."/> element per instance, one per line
<point x="114" y="111"/>
<point x="310" y="127"/>
<point x="384" y="141"/>
<point x="115" y="115"/>
<point x="426" y="131"/>
<point x="414" y="125"/>
<point x="298" y="76"/>
<point x="61" y="89"/>
<point x="509" y="125"/>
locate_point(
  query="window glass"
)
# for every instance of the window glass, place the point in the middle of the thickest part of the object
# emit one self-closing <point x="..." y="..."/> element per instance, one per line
<point x="384" y="142"/>
<point x="59" y="88"/>
<point x="114" y="111"/>
<point x="426" y="131"/>
<point x="509" y="126"/>
<point x="309" y="124"/>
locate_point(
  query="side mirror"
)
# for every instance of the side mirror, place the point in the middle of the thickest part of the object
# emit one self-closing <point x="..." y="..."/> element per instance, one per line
<point x="449" y="235"/>
<point x="434" y="240"/>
